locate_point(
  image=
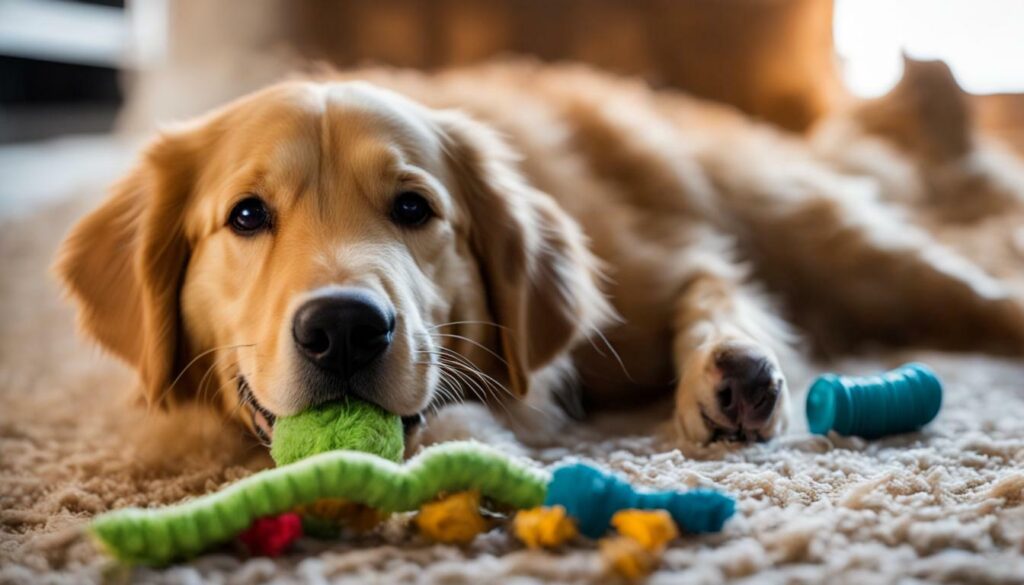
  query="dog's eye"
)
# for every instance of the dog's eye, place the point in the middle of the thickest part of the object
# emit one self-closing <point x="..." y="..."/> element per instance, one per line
<point x="249" y="216"/>
<point x="411" y="209"/>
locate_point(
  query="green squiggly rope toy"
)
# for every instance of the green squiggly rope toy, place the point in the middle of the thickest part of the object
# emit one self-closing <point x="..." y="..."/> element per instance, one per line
<point x="351" y="451"/>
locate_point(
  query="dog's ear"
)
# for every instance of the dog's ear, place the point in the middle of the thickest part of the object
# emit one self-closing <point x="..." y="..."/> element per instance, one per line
<point x="124" y="262"/>
<point x="534" y="261"/>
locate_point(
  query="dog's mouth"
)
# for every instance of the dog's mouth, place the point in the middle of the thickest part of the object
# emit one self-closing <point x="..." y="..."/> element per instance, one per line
<point x="263" y="420"/>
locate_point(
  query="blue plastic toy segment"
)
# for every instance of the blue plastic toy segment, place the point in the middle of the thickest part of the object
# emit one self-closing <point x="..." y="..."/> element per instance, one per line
<point x="899" y="401"/>
<point x="821" y="405"/>
<point x="592" y="496"/>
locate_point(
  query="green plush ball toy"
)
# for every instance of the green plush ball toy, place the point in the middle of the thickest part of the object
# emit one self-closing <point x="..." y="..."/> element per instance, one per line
<point x="353" y="425"/>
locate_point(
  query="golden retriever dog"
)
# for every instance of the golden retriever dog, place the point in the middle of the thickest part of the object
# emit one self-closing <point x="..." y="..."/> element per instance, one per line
<point x="520" y="233"/>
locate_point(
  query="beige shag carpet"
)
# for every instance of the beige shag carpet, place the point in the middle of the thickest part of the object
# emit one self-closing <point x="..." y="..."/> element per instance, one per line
<point x="944" y="505"/>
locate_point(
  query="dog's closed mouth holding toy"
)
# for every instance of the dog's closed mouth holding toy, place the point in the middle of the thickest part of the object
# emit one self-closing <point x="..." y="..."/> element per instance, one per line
<point x="507" y="234"/>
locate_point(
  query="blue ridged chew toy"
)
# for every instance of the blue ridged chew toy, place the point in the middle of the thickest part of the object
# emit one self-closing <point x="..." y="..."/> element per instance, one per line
<point x="592" y="496"/>
<point x="898" y="401"/>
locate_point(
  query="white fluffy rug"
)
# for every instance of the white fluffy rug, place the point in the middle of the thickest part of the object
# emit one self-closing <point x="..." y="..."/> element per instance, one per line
<point x="944" y="505"/>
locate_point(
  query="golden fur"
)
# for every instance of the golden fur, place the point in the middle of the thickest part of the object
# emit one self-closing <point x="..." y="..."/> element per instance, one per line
<point x="591" y="234"/>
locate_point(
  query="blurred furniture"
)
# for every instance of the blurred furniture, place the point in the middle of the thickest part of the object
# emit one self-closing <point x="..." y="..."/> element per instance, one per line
<point x="772" y="58"/>
<point x="59" y="62"/>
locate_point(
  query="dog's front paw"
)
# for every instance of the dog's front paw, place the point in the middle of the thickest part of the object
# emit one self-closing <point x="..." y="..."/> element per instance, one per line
<point x="732" y="390"/>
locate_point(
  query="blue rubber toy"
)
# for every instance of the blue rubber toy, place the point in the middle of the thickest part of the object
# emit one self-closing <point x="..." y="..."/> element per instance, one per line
<point x="591" y="496"/>
<point x="899" y="401"/>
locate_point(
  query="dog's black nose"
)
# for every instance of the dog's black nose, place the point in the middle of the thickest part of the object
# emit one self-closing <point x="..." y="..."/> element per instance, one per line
<point x="343" y="329"/>
<point x="749" y="390"/>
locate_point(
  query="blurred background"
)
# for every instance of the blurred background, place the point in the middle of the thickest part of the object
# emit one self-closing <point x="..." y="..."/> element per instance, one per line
<point x="80" y="80"/>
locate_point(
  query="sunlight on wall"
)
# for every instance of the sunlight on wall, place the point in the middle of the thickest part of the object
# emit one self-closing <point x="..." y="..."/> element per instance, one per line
<point x="981" y="40"/>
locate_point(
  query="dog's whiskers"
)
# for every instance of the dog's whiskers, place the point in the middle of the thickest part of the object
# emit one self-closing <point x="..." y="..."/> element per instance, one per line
<point x="191" y="363"/>
<point x="454" y="323"/>
<point x="472" y="379"/>
<point x="470" y="365"/>
<point x="202" y="394"/>
<point x="611" y="348"/>
<point x="467" y="340"/>
<point x="445" y="367"/>
<point x="224" y="369"/>
<point x="483" y="386"/>
<point x="446" y="390"/>
<point x="473" y="385"/>
<point x="446" y="384"/>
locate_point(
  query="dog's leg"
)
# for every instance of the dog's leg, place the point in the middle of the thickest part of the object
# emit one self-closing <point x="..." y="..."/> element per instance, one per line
<point x="727" y="347"/>
<point x="850" y="268"/>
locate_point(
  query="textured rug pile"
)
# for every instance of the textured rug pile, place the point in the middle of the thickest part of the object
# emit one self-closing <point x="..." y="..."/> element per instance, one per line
<point x="944" y="505"/>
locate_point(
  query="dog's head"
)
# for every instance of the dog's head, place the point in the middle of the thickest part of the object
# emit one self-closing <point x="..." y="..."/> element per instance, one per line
<point x="314" y="241"/>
